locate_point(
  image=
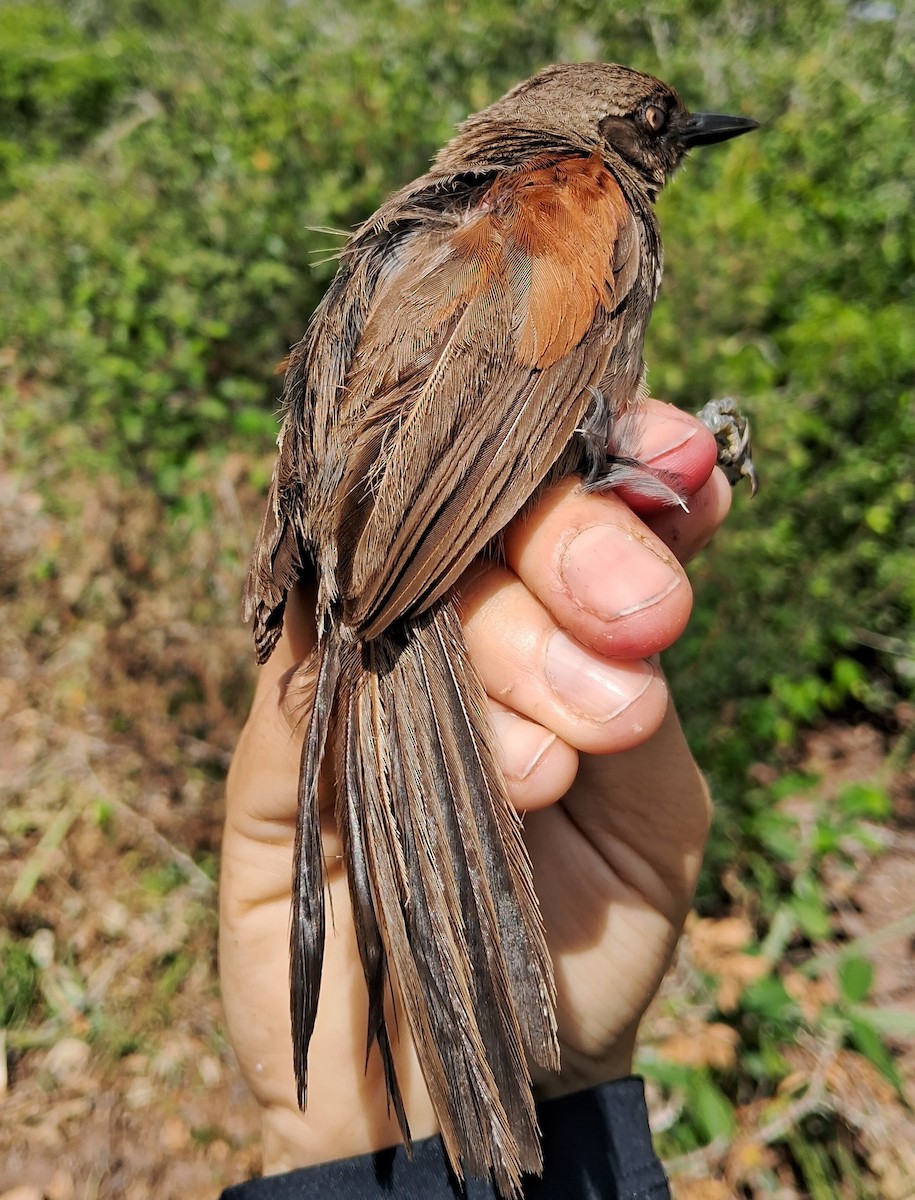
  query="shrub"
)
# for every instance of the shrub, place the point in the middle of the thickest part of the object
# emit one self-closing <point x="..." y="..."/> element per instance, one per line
<point x="166" y="168"/>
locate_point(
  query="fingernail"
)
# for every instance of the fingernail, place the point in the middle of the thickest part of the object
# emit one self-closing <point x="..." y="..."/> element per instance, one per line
<point x="588" y="684"/>
<point x="521" y="744"/>
<point x="666" y="436"/>
<point x="611" y="573"/>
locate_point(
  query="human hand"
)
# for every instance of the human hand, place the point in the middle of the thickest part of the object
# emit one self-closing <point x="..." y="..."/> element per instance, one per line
<point x="617" y="810"/>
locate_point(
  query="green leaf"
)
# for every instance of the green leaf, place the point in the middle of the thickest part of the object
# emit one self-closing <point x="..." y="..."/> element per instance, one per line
<point x="856" y="977"/>
<point x="662" y="1071"/>
<point x="869" y="1042"/>
<point x="891" y="1022"/>
<point x="865" y="800"/>
<point x="19" y="989"/>
<point x="781" y="930"/>
<point x="779" y="834"/>
<point x="767" y="998"/>
<point x="164" y="879"/>
<point x="712" y="1110"/>
<point x="813" y="915"/>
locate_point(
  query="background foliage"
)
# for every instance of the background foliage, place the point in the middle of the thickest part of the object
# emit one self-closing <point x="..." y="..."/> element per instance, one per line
<point x="161" y="166"/>
<point x="164" y="167"/>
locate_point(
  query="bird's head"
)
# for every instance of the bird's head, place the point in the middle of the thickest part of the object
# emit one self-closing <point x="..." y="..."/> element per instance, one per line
<point x="597" y="107"/>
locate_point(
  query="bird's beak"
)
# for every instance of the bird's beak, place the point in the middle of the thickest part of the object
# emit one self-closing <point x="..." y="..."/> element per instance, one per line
<point x="703" y="129"/>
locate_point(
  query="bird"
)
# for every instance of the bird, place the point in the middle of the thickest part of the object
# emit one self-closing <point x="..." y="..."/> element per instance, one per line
<point x="482" y="339"/>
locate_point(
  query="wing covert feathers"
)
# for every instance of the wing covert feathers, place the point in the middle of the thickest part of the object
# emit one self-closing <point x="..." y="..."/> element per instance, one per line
<point x="474" y="368"/>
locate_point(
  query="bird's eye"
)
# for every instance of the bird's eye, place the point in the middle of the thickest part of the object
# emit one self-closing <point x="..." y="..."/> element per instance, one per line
<point x="655" y="118"/>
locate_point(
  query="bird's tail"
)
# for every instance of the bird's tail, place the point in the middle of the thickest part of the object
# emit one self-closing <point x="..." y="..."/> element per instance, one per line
<point x="441" y="887"/>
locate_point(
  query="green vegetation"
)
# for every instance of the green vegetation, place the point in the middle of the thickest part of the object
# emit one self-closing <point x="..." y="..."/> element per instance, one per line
<point x="164" y="168"/>
<point x="18" y="984"/>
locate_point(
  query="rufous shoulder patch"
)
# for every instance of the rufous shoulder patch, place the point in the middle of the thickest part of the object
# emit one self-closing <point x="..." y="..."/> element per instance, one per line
<point x="556" y="227"/>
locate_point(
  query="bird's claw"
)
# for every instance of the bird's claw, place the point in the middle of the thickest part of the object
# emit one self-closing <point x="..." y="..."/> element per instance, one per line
<point x="732" y="433"/>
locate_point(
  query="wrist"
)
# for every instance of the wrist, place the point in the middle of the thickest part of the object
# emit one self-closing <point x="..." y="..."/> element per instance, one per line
<point x="581" y="1070"/>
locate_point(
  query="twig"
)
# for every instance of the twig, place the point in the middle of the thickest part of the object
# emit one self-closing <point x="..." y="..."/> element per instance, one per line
<point x="889" y="645"/>
<point x="34" y="1039"/>
<point x="826" y="959"/>
<point x="198" y="880"/>
<point x="37" y="862"/>
<point x="228" y="497"/>
<point x="199" y="751"/>
<point x="813" y="1100"/>
<point x="146" y="108"/>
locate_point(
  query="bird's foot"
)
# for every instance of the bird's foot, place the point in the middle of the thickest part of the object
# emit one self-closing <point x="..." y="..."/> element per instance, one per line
<point x="732" y="433"/>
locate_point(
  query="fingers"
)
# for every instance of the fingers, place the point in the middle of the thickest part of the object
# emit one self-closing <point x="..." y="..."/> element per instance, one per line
<point x="537" y="764"/>
<point x="676" y="443"/>
<point x="686" y="533"/>
<point x="561" y="635"/>
<point x="531" y="664"/>
<point x="601" y="573"/>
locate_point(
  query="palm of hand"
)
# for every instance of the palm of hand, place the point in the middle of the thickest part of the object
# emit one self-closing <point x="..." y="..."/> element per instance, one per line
<point x="630" y="835"/>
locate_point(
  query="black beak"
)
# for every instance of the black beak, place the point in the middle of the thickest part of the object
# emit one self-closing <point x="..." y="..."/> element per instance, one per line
<point x="704" y="129"/>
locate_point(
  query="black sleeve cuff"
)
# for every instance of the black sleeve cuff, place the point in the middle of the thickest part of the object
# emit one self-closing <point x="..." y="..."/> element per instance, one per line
<point x="596" y="1146"/>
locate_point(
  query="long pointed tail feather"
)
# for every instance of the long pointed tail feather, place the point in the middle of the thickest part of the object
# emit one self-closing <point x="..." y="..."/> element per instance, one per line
<point x="306" y="939"/>
<point x="503" y="858"/>
<point x="368" y="936"/>
<point x="453" y="893"/>
<point x="441" y="887"/>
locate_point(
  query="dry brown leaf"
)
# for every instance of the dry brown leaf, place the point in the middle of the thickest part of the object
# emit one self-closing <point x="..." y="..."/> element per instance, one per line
<point x="61" y="1186"/>
<point x="702" y="1189"/>
<point x="717" y="948"/>
<point x="810" y="994"/>
<point x="712" y="940"/>
<point x="736" y="973"/>
<point x="746" y="1157"/>
<point x="701" y="1045"/>
<point x="854" y="1080"/>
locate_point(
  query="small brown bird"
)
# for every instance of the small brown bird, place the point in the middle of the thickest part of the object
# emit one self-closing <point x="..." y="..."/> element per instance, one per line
<point x="482" y="338"/>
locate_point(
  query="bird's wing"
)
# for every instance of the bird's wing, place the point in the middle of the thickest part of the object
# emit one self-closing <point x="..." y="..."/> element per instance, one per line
<point x="470" y="377"/>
